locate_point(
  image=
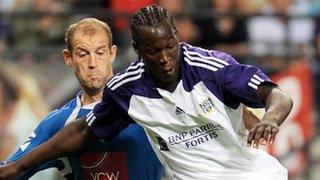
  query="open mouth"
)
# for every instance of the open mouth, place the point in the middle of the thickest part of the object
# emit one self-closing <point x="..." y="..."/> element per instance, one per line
<point x="168" y="70"/>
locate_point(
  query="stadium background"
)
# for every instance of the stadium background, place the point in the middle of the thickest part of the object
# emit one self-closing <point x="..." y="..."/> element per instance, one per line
<point x="282" y="37"/>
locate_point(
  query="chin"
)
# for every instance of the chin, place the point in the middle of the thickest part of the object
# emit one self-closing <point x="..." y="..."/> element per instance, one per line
<point x="94" y="89"/>
<point x="95" y="86"/>
<point x="169" y="78"/>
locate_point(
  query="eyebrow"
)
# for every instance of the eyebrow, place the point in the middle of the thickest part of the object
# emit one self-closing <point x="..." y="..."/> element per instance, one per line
<point x="149" y="45"/>
<point x="81" y="48"/>
<point x="84" y="49"/>
<point x="103" y="46"/>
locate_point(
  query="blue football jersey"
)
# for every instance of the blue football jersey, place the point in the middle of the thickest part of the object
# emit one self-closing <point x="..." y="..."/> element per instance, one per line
<point x="127" y="156"/>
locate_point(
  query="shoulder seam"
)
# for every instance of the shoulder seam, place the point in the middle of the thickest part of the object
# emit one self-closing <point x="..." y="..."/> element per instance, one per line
<point x="132" y="73"/>
<point x="212" y="63"/>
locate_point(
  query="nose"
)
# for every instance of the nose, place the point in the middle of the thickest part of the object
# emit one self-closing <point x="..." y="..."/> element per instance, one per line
<point x="164" y="57"/>
<point x="92" y="61"/>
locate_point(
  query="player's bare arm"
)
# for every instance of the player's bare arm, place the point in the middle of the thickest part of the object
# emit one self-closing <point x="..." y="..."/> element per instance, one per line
<point x="278" y="105"/>
<point x="74" y="137"/>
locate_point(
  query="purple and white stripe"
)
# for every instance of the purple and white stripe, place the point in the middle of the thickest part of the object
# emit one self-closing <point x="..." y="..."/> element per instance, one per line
<point x="209" y="62"/>
<point x="255" y="81"/>
<point x="132" y="73"/>
<point x="90" y="118"/>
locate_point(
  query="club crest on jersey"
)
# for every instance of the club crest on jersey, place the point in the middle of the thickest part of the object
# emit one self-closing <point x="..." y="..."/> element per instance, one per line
<point x="207" y="105"/>
<point x="162" y="143"/>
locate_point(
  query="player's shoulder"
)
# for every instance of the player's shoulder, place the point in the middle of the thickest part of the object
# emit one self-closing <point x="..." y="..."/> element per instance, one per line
<point x="204" y="58"/>
<point x="62" y="112"/>
<point x="130" y="75"/>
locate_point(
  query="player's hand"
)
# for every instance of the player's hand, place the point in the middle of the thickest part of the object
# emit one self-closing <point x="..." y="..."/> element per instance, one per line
<point x="250" y="119"/>
<point x="9" y="171"/>
<point x="262" y="133"/>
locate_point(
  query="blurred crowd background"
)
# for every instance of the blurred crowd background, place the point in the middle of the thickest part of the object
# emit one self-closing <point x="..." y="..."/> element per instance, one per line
<point x="282" y="37"/>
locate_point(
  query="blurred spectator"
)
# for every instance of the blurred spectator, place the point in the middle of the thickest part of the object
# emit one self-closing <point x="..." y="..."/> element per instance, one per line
<point x="174" y="6"/>
<point x="188" y="31"/>
<point x="8" y="97"/>
<point x="4" y="33"/>
<point x="317" y="39"/>
<point x="316" y="66"/>
<point x="40" y="28"/>
<point x="314" y="8"/>
<point x="249" y="7"/>
<point x="21" y="106"/>
<point x="227" y="32"/>
<point x="281" y="32"/>
<point x="84" y="4"/>
<point x="122" y="10"/>
<point x="271" y="64"/>
<point x="13" y="5"/>
<point x="51" y="28"/>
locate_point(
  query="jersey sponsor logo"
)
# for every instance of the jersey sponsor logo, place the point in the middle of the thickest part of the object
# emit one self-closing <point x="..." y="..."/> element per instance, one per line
<point x="105" y="166"/>
<point x="196" y="136"/>
<point x="206" y="106"/>
<point x="94" y="160"/>
<point x="105" y="175"/>
<point x="162" y="143"/>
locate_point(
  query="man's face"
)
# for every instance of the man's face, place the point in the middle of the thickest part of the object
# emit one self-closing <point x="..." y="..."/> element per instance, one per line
<point x="159" y="49"/>
<point x="91" y="58"/>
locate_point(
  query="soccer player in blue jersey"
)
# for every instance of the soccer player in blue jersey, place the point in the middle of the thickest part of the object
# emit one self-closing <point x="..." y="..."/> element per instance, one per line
<point x="129" y="155"/>
<point x="190" y="102"/>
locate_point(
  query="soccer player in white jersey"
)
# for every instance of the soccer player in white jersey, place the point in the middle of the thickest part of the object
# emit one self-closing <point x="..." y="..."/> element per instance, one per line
<point x="189" y="100"/>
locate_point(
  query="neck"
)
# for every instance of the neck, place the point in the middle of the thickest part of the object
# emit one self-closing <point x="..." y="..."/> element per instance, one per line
<point x="91" y="97"/>
<point x="170" y="86"/>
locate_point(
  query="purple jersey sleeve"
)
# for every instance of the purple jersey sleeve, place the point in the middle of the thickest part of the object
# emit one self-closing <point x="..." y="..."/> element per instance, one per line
<point x="231" y="82"/>
<point x="109" y="117"/>
<point x="241" y="82"/>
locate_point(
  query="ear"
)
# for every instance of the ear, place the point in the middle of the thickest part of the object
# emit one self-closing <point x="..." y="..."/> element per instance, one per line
<point x="113" y="52"/>
<point x="176" y="33"/>
<point x="135" y="47"/>
<point x="67" y="57"/>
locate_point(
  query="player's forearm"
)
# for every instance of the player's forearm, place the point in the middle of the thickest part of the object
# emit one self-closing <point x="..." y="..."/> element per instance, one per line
<point x="71" y="138"/>
<point x="278" y="106"/>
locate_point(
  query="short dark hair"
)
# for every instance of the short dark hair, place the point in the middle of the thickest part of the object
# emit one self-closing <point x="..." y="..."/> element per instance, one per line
<point x="150" y="16"/>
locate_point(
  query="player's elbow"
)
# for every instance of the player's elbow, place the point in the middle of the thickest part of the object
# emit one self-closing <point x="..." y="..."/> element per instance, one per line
<point x="287" y="102"/>
<point x="284" y="105"/>
<point x="290" y="102"/>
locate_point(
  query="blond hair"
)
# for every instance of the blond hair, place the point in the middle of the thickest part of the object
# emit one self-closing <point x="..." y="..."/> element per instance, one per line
<point x="87" y="24"/>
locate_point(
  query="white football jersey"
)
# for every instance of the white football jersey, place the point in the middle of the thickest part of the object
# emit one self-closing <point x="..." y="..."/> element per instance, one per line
<point x="197" y="130"/>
